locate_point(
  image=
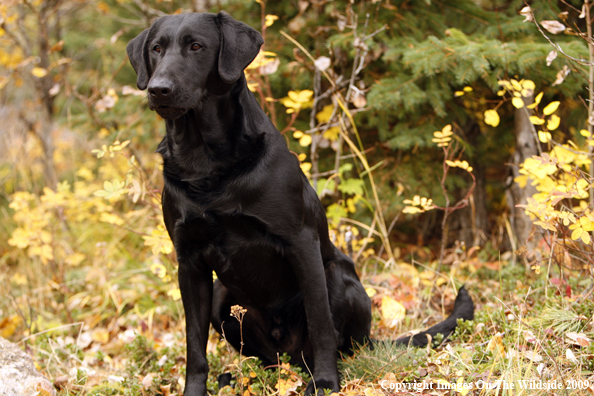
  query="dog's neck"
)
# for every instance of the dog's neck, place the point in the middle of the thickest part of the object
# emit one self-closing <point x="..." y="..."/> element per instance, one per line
<point x="216" y="133"/>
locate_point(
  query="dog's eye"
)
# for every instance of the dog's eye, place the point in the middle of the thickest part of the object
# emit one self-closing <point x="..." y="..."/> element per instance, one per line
<point x="195" y="47"/>
<point x="157" y="48"/>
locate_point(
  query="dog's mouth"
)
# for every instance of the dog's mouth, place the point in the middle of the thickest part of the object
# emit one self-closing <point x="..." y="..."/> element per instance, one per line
<point x="170" y="113"/>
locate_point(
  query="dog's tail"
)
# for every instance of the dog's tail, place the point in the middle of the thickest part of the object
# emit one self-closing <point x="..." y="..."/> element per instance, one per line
<point x="463" y="309"/>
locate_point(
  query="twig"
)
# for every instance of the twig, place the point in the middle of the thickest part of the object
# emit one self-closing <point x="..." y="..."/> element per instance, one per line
<point x="557" y="46"/>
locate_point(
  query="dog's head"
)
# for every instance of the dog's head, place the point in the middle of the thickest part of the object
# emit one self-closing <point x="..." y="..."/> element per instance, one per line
<point x="182" y="57"/>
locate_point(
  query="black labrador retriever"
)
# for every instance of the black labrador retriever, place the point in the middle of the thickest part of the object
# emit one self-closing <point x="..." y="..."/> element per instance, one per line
<point x="236" y="201"/>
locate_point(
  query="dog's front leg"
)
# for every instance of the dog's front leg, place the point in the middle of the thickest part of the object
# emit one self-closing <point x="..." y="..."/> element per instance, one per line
<point x="196" y="292"/>
<point x="309" y="268"/>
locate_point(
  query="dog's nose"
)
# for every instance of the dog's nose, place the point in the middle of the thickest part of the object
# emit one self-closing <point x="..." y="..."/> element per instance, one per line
<point x="160" y="89"/>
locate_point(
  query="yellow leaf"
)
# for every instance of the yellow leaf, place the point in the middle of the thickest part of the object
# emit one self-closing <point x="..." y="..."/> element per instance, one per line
<point x="553" y="123"/>
<point x="39" y="72"/>
<point x="324" y="115"/>
<point x="175" y="294"/>
<point x="518" y="103"/>
<point x="305" y="140"/>
<point x="544" y="137"/>
<point x="536" y="120"/>
<point x="306" y="167"/>
<point x="538" y="98"/>
<point x="19" y="279"/>
<point x="585" y="133"/>
<point x="460" y="388"/>
<point x="370" y="291"/>
<point x="492" y="118"/>
<point x="8" y="325"/>
<point x="576" y="234"/>
<point x="528" y="84"/>
<point x="302" y="157"/>
<point x="301" y="96"/>
<point x="392" y="312"/>
<point x="516" y="85"/>
<point x="446" y="384"/>
<point x="350" y="204"/>
<point x="21" y="238"/>
<point x="505" y="84"/>
<point x="332" y="133"/>
<point x="586" y="238"/>
<point x="551" y="108"/>
<point x="297" y="134"/>
<point x="159" y="270"/>
<point x="496" y="345"/>
<point x="75" y="259"/>
<point x="159" y="241"/>
<point x="111" y="218"/>
<point x="103" y="7"/>
<point x="269" y="20"/>
<point x="101" y="336"/>
<point x="458" y="93"/>
<point x="3" y="81"/>
<point x="412" y="210"/>
<point x="522" y="180"/>
<point x="467" y="89"/>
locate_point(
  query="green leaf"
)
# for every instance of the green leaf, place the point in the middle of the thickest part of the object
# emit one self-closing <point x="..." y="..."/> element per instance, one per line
<point x="335" y="212"/>
<point x="351" y="186"/>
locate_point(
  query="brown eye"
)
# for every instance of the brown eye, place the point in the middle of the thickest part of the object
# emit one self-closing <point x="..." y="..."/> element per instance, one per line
<point x="157" y="48"/>
<point x="195" y="47"/>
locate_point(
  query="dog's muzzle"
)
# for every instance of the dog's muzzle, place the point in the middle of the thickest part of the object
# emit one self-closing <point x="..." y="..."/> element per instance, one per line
<point x="168" y="112"/>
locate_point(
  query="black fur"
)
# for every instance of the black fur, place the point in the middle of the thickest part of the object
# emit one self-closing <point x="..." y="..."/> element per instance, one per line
<point x="236" y="201"/>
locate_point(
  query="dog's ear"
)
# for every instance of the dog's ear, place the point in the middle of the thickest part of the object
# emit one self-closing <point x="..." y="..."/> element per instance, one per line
<point x="135" y="50"/>
<point x="240" y="44"/>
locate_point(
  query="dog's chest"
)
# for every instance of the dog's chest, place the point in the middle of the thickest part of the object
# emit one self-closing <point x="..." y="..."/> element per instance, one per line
<point x="247" y="258"/>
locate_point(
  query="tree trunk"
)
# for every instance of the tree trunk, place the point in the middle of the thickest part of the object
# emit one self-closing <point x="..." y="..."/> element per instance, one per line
<point x="526" y="147"/>
<point x="470" y="224"/>
<point x="43" y="86"/>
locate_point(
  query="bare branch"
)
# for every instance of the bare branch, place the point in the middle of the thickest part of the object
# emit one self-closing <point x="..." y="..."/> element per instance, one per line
<point x="558" y="47"/>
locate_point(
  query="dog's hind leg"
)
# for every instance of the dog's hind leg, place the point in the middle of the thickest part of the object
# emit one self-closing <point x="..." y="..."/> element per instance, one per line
<point x="254" y="330"/>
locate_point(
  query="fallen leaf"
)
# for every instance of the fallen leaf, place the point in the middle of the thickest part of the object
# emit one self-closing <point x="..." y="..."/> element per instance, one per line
<point x="570" y="356"/>
<point x="392" y="312"/>
<point x="533" y="356"/>
<point x="61" y="381"/>
<point x="578" y="339"/>
<point x="147" y="381"/>
<point x="101" y="336"/>
<point x="496" y="344"/>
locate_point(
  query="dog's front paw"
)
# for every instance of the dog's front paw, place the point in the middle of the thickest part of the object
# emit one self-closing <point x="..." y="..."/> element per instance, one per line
<point x="321" y="385"/>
